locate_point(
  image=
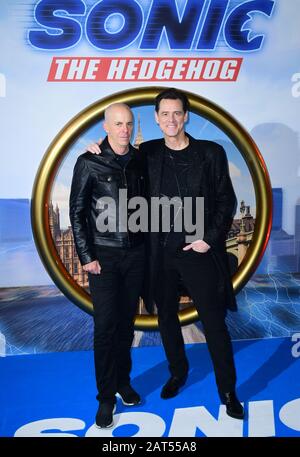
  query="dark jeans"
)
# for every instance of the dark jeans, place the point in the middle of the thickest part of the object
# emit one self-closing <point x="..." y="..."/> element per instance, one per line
<point x="199" y="275"/>
<point x="115" y="293"/>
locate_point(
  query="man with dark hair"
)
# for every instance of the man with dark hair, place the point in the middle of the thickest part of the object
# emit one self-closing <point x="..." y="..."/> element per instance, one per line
<point x="114" y="259"/>
<point x="172" y="94"/>
<point x="181" y="166"/>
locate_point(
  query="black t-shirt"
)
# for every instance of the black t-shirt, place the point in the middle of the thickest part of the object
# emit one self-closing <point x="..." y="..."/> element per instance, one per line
<point x="123" y="159"/>
<point x="176" y="171"/>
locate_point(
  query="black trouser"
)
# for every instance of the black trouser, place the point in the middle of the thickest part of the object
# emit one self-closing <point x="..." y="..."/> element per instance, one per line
<point x="199" y="275"/>
<point x="115" y="293"/>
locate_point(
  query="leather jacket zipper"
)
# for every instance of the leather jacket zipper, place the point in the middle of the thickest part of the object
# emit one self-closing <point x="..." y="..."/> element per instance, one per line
<point x="126" y="187"/>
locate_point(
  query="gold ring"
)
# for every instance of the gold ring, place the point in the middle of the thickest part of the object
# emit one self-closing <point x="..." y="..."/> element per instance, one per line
<point x="85" y="119"/>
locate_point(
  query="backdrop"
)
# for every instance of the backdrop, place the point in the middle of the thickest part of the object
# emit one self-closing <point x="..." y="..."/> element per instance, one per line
<point x="60" y="56"/>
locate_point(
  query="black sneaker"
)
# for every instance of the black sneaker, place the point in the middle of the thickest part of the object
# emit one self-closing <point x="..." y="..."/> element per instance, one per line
<point x="104" y="416"/>
<point x="172" y="387"/>
<point x="129" y="396"/>
<point x="233" y="405"/>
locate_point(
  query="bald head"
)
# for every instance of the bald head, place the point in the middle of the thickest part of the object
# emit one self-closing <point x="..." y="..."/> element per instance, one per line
<point x="115" y="108"/>
<point x="118" y="124"/>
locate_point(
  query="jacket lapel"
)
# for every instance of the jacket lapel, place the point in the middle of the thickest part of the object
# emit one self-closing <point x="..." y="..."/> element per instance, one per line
<point x="156" y="160"/>
<point x="195" y="177"/>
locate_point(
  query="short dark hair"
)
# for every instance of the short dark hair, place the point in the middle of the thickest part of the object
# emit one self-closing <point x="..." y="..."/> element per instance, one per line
<point x="173" y="94"/>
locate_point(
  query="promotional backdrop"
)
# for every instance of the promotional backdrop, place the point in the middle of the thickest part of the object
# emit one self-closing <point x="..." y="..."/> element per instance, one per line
<point x="59" y="57"/>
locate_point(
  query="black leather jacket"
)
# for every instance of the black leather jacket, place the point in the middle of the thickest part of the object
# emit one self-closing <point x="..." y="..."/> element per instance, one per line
<point x="97" y="176"/>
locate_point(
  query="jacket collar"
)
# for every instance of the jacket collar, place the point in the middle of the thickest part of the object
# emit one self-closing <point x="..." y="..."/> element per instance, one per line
<point x="109" y="156"/>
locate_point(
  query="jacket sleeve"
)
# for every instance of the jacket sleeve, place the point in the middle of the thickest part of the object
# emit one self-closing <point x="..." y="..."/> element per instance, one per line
<point x="223" y="202"/>
<point x="79" y="202"/>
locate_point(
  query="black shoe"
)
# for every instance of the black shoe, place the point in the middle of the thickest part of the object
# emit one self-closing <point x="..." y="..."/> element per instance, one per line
<point x="233" y="406"/>
<point x="172" y="386"/>
<point x="104" y="416"/>
<point x="129" y="396"/>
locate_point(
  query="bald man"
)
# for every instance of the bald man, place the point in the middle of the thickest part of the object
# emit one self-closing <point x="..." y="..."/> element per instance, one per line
<point x="112" y="256"/>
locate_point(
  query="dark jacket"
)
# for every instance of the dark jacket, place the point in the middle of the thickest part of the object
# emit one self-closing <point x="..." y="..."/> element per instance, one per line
<point x="209" y="178"/>
<point x="97" y="176"/>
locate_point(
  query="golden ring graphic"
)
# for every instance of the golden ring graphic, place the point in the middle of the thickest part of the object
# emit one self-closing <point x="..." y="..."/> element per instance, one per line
<point x="85" y="119"/>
